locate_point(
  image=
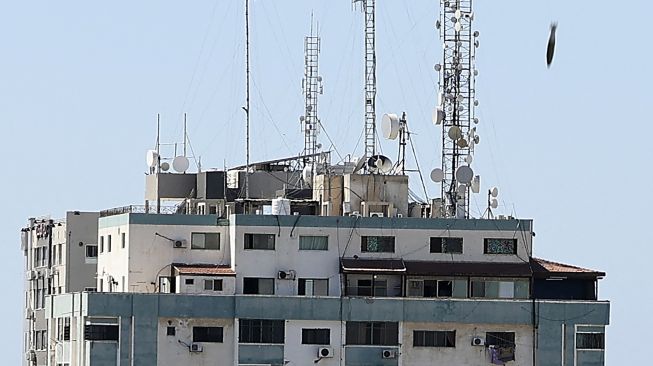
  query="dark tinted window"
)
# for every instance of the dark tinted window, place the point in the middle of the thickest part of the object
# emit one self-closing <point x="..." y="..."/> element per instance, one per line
<point x="101" y="332"/>
<point x="373" y="333"/>
<point x="426" y="338"/>
<point x="316" y="336"/>
<point x="261" y="331"/>
<point x="378" y="244"/>
<point x="446" y="245"/>
<point x="207" y="334"/>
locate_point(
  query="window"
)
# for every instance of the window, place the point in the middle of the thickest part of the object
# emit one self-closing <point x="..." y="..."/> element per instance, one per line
<point x="213" y="285"/>
<point x="189" y="281"/>
<point x="500" y="339"/>
<point x="372" y="288"/>
<point x="378" y="244"/>
<point x="205" y="241"/>
<point x="207" y="334"/>
<point x="108" y="243"/>
<point x="60" y="254"/>
<point x="500" y="246"/>
<point x="436" y="288"/>
<point x="171" y="331"/>
<point x="63" y="329"/>
<point x="496" y="288"/>
<point x="316" y="336"/>
<point x="373" y="333"/>
<point x="101" y="244"/>
<point x="259" y="241"/>
<point x="90" y="289"/>
<point x="260" y="286"/>
<point x="54" y="254"/>
<point x="123" y="240"/>
<point x="261" y="331"/>
<point x="427" y="338"/>
<point x="313" y="287"/>
<point x="313" y="243"/>
<point x="447" y="245"/>
<point x="590" y="341"/>
<point x="101" y="332"/>
<point x="91" y="251"/>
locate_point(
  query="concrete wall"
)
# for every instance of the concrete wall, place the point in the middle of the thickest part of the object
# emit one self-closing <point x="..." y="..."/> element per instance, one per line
<point x="377" y="188"/>
<point x="173" y="350"/>
<point x="82" y="229"/>
<point x="228" y="285"/>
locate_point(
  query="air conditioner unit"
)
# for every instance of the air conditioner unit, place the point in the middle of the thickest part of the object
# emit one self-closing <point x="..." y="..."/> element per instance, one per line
<point x="400" y="215"/>
<point x="389" y="353"/>
<point x="325" y="352"/>
<point x="195" y="347"/>
<point x="377" y="214"/>
<point x="179" y="244"/>
<point x="286" y="275"/>
<point x="478" y="341"/>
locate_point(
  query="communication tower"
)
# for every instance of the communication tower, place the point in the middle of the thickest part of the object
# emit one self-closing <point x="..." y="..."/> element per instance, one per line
<point x="368" y="8"/>
<point x="311" y="88"/>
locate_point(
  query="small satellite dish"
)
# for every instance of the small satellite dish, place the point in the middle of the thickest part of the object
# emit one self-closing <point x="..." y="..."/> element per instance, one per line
<point x="457" y="26"/>
<point x="165" y="166"/>
<point x="469" y="159"/>
<point x="360" y="163"/>
<point x="476" y="103"/>
<point x="438" y="115"/>
<point x="464" y="174"/>
<point x="437" y="175"/>
<point x="462" y="143"/>
<point x="494" y="191"/>
<point x="390" y="126"/>
<point x="301" y="118"/>
<point x="180" y="164"/>
<point x="319" y="78"/>
<point x="476" y="184"/>
<point x="457" y="14"/>
<point x="462" y="189"/>
<point x="437" y="24"/>
<point x="379" y="164"/>
<point x="475" y="120"/>
<point x="152" y="158"/>
<point x="494" y="203"/>
<point x="476" y="139"/>
<point x="307" y="174"/>
<point x="476" y="34"/>
<point x="437" y="67"/>
<point x="455" y="133"/>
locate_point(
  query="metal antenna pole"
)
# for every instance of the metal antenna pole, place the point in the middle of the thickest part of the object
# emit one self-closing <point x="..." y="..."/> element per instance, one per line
<point x="312" y="87"/>
<point x="247" y="97"/>
<point x="368" y="7"/>
<point x="185" y="134"/>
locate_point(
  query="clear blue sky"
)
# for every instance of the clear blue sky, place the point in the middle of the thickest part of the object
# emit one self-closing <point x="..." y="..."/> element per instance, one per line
<point x="81" y="83"/>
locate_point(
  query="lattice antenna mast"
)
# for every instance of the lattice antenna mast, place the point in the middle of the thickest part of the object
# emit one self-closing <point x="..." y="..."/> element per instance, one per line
<point x="311" y="88"/>
<point x="369" y="10"/>
<point x="456" y="107"/>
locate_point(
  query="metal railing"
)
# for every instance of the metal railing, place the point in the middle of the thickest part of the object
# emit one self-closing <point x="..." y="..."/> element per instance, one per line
<point x="164" y="210"/>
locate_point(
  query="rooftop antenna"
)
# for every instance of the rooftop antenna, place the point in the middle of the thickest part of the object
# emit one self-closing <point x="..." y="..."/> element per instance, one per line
<point x="456" y="107"/>
<point x="368" y="8"/>
<point x="311" y="88"/>
<point x="247" y="97"/>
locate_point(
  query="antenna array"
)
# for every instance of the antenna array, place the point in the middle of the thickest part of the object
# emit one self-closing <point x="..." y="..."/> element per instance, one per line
<point x="311" y="88"/>
<point x="456" y="104"/>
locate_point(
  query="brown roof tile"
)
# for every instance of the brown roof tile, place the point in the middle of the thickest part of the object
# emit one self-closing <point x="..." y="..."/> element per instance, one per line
<point x="203" y="270"/>
<point x="543" y="267"/>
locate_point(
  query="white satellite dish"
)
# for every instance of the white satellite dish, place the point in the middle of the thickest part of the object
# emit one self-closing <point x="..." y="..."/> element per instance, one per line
<point x="165" y="166"/>
<point x="455" y="133"/>
<point x="457" y="26"/>
<point x="307" y="174"/>
<point x="494" y="191"/>
<point x="152" y="158"/>
<point x="180" y="164"/>
<point x="462" y="189"/>
<point x="390" y="126"/>
<point x="438" y="115"/>
<point x="360" y="163"/>
<point x="464" y="174"/>
<point x="379" y="164"/>
<point x="476" y="184"/>
<point x="469" y="159"/>
<point x="437" y="175"/>
<point x="494" y="203"/>
<point x="457" y="14"/>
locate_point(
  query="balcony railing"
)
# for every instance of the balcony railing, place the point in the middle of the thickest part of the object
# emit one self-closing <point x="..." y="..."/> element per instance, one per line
<point x="164" y="210"/>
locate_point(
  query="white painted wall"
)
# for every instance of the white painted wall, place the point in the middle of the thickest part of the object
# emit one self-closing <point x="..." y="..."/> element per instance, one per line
<point x="303" y="354"/>
<point x="228" y="285"/>
<point x="170" y="352"/>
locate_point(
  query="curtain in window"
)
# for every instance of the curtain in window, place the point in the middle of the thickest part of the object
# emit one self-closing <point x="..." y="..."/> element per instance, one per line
<point x="313" y="243"/>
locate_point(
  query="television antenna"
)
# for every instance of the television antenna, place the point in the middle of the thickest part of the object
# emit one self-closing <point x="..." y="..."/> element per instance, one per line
<point x="311" y="88"/>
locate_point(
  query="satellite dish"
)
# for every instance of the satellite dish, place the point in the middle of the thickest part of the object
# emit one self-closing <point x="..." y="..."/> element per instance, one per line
<point x="469" y="159"/>
<point x="457" y="26"/>
<point x="464" y="174"/>
<point x="494" y="203"/>
<point x="494" y="191"/>
<point x="180" y="164"/>
<point x="455" y="133"/>
<point x="462" y="143"/>
<point x="301" y="118"/>
<point x="379" y="164"/>
<point x="165" y="166"/>
<point x="437" y="175"/>
<point x="437" y="67"/>
<point x="462" y="189"/>
<point x="476" y="184"/>
<point x="438" y="115"/>
<point x="152" y="158"/>
<point x="457" y="14"/>
<point x="476" y="139"/>
<point x="475" y="120"/>
<point x="390" y="126"/>
<point x="307" y="174"/>
<point x="360" y="163"/>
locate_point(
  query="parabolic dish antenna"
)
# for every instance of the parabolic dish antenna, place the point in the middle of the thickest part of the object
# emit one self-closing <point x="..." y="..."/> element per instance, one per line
<point x="152" y="158"/>
<point x="469" y="159"/>
<point x="438" y="115"/>
<point x="437" y="175"/>
<point x="454" y="133"/>
<point x="476" y="184"/>
<point x="180" y="164"/>
<point x="165" y="166"/>
<point x="494" y="191"/>
<point x="462" y="189"/>
<point x="462" y="143"/>
<point x="494" y="203"/>
<point x="379" y="164"/>
<point x="464" y="174"/>
<point x="390" y="126"/>
<point x="360" y="163"/>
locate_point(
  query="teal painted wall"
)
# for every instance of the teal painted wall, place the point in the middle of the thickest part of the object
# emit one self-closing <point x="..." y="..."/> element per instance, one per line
<point x="103" y="353"/>
<point x="369" y="356"/>
<point x="591" y="358"/>
<point x="260" y="354"/>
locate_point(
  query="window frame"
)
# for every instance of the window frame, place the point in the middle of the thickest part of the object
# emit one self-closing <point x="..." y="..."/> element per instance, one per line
<point x="90" y="246"/>
<point x="102" y="332"/>
<point x="445" y="336"/>
<point x="204" y="235"/>
<point x="486" y="242"/>
<point x="318" y="336"/>
<point x="383" y="244"/>
<point x="503" y="339"/>
<point x="249" y="242"/>
<point x="203" y="334"/>
<point x="373" y="333"/>
<point x="322" y="237"/>
<point x="301" y="286"/>
<point x="443" y="245"/>
<point x="591" y="347"/>
<point x="213" y="281"/>
<point x="258" y="286"/>
<point x="253" y="331"/>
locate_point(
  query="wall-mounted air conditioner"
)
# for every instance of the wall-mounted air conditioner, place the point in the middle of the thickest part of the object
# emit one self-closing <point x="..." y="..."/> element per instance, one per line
<point x="179" y="244"/>
<point x="389" y="353"/>
<point x="377" y="214"/>
<point x="325" y="352"/>
<point x="195" y="347"/>
<point x="286" y="275"/>
<point x="478" y="341"/>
